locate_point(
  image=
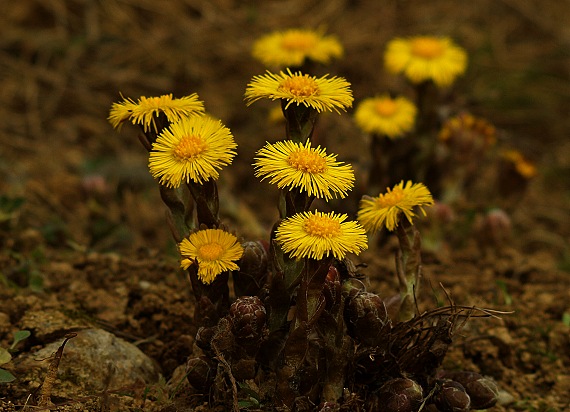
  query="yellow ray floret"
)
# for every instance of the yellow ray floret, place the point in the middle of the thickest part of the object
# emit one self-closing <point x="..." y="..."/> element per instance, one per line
<point x="383" y="115"/>
<point x="322" y="94"/>
<point x="425" y="58"/>
<point x="145" y="111"/>
<point x="193" y="149"/>
<point x="290" y="48"/>
<point x="295" y="165"/>
<point x="385" y="209"/>
<point x="315" y="235"/>
<point x="213" y="250"/>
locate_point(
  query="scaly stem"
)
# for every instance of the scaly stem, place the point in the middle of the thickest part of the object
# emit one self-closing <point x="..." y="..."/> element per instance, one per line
<point x="207" y="202"/>
<point x="408" y="266"/>
<point x="300" y="120"/>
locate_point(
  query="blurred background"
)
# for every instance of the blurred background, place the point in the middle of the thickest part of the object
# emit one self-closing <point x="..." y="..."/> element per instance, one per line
<point x="81" y="184"/>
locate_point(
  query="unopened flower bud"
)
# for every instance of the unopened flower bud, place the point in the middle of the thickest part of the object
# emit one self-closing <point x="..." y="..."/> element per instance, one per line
<point x="252" y="272"/>
<point x="204" y="338"/>
<point x="366" y="317"/>
<point x="400" y="395"/>
<point x="451" y="397"/>
<point x="200" y="373"/>
<point x="244" y="369"/>
<point x="442" y="213"/>
<point x="248" y="316"/>
<point x="494" y="229"/>
<point x="483" y="391"/>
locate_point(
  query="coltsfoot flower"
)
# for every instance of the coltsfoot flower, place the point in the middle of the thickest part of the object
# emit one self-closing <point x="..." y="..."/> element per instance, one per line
<point x="424" y="58"/>
<point x="145" y="111"/>
<point x="322" y="94"/>
<point x="213" y="250"/>
<point x="195" y="149"/>
<point x="467" y="131"/>
<point x="383" y="115"/>
<point x="292" y="47"/>
<point x="384" y="210"/>
<point x="317" y="234"/>
<point x="311" y="169"/>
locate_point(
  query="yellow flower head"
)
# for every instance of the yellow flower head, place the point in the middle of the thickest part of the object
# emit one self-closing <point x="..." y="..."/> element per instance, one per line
<point x="316" y="234"/>
<point x="213" y="250"/>
<point x="426" y="58"/>
<point x="194" y="148"/>
<point x="384" y="210"/>
<point x="145" y="111"/>
<point x="386" y="116"/>
<point x="522" y="166"/>
<point x="322" y="94"/>
<point x="292" y="47"/>
<point x="297" y="165"/>
<point x="467" y="131"/>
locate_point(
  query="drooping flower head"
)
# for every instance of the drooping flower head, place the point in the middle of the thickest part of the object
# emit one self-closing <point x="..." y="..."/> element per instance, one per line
<point x="519" y="163"/>
<point x="316" y="234"/>
<point x="383" y="115"/>
<point x="322" y="94"/>
<point x="195" y="149"/>
<point x="310" y="169"/>
<point x="385" y="209"/>
<point x="290" y="48"/>
<point x="213" y="250"/>
<point x="424" y="58"/>
<point x="145" y="111"/>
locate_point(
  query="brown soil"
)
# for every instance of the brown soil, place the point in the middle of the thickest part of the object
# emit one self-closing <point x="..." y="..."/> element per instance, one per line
<point x="88" y="246"/>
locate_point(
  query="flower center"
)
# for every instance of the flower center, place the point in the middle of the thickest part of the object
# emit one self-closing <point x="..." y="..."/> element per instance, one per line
<point x="300" y="86"/>
<point x="427" y="47"/>
<point x="298" y="42"/>
<point x="307" y="161"/>
<point x="386" y="107"/>
<point x="392" y="198"/>
<point x="152" y="102"/>
<point x="189" y="147"/>
<point x="321" y="226"/>
<point x="210" y="251"/>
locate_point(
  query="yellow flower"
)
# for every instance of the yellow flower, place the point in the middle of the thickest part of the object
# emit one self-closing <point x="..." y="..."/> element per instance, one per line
<point x="384" y="210"/>
<point x="297" y="165"/>
<point x="386" y="116"/>
<point x="426" y="58"/>
<point x="194" y="148"/>
<point x="292" y="47"/>
<point x="467" y="130"/>
<point x="145" y="111"/>
<point x="523" y="166"/>
<point x="322" y="94"/>
<point x="213" y="250"/>
<point x="316" y="234"/>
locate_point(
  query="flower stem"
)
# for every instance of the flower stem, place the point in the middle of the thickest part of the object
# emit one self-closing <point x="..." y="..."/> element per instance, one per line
<point x="207" y="202"/>
<point x="300" y="120"/>
<point x="408" y="266"/>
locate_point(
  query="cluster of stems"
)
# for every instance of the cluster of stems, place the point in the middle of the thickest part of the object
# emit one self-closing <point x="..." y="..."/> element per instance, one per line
<point x="297" y="301"/>
<point x="191" y="206"/>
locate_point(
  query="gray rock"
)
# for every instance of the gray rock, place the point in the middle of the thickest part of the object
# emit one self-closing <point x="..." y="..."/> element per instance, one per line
<point x="96" y="360"/>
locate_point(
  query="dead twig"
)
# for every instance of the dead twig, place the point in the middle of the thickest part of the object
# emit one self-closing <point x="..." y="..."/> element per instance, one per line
<point x="45" y="393"/>
<point x="228" y="370"/>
